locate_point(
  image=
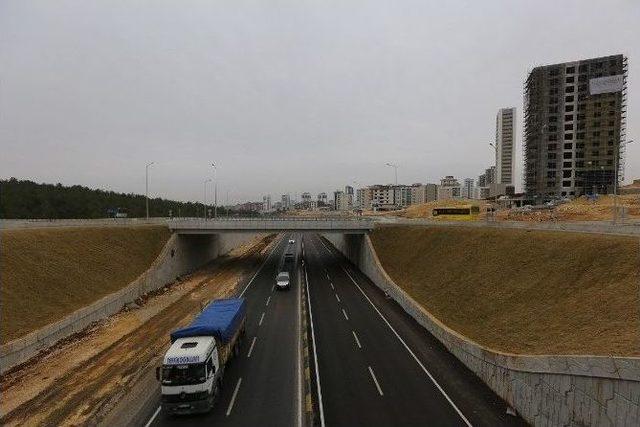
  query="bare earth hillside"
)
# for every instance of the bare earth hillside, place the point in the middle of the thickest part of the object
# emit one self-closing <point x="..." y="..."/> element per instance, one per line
<point x="49" y="273"/>
<point x="520" y="291"/>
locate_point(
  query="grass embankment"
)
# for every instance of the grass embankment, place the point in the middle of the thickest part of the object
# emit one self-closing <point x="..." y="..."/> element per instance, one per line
<point x="522" y="292"/>
<point x="48" y="273"/>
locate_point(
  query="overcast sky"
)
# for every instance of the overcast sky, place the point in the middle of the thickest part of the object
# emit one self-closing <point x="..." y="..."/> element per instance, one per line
<point x="284" y="96"/>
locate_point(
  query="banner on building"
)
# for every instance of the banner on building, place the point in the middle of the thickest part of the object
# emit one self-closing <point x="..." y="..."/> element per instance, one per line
<point x="606" y="84"/>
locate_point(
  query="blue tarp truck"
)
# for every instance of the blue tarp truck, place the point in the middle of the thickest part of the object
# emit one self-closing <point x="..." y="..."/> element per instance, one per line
<point x="193" y="367"/>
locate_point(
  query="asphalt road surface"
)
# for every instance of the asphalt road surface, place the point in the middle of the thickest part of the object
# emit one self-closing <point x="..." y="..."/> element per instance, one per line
<point x="376" y="365"/>
<point x="262" y="386"/>
<point x="372" y="364"/>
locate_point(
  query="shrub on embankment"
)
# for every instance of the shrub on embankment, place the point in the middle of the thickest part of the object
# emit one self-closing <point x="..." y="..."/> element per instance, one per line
<point x="519" y="291"/>
<point x="47" y="274"/>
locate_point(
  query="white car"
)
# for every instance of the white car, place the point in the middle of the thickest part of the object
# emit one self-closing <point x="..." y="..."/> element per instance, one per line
<point x="282" y="280"/>
<point x="291" y="241"/>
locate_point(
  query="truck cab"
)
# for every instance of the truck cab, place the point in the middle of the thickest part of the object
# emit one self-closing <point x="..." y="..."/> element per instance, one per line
<point x="190" y="375"/>
<point x="193" y="367"/>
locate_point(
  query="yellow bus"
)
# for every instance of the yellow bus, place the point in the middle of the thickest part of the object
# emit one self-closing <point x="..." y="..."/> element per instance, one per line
<point x="457" y="212"/>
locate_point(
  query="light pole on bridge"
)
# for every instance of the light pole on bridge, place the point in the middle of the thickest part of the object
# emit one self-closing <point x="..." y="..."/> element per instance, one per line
<point x="205" y="197"/>
<point x="146" y="186"/>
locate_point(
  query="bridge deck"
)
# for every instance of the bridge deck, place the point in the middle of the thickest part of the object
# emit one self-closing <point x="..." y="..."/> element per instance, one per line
<point x="212" y="226"/>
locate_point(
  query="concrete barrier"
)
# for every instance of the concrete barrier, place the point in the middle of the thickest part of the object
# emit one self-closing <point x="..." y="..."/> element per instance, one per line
<point x="180" y="255"/>
<point x="545" y="390"/>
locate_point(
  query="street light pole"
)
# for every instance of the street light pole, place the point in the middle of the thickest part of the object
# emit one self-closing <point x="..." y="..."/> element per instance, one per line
<point x="205" y="197"/>
<point x="616" y="159"/>
<point x="215" y="190"/>
<point x="146" y="185"/>
<point x="395" y="167"/>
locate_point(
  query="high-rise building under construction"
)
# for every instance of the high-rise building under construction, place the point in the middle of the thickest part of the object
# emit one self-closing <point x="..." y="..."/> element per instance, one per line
<point x="574" y="127"/>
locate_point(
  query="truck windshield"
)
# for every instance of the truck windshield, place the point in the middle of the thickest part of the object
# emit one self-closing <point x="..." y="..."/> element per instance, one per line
<point x="183" y="374"/>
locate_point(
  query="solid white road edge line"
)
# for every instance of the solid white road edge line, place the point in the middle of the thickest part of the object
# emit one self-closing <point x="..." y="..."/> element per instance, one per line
<point x="426" y="371"/>
<point x="233" y="398"/>
<point x="315" y="354"/>
<point x="375" y="380"/>
<point x="251" y="348"/>
<point x="261" y="266"/>
<point x="345" y="314"/>
<point x="356" y="338"/>
<point x="153" y="417"/>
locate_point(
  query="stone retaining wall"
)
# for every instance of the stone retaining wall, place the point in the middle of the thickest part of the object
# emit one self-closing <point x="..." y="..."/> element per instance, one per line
<point x="545" y="390"/>
<point x="180" y="255"/>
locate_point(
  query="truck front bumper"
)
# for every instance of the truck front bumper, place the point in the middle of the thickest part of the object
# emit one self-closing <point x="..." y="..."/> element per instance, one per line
<point x="187" y="407"/>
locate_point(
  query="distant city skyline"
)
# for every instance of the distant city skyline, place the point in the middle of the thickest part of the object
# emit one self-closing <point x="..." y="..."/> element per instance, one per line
<point x="285" y="98"/>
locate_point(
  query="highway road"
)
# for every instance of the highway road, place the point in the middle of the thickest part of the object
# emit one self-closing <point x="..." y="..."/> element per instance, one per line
<point x="375" y="365"/>
<point x="263" y="385"/>
<point x="371" y="363"/>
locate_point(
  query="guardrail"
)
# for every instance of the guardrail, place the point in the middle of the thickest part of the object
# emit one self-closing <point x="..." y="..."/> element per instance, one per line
<point x="194" y="226"/>
<point x="94" y="222"/>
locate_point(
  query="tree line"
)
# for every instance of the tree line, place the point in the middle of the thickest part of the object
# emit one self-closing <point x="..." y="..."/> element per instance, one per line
<point x="23" y="199"/>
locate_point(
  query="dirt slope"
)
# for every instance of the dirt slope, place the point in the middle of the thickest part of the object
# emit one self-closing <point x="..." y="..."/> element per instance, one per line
<point x="80" y="381"/>
<point x="519" y="291"/>
<point x="61" y="270"/>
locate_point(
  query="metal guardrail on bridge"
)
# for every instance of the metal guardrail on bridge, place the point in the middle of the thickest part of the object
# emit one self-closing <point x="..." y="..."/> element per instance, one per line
<point x="321" y="224"/>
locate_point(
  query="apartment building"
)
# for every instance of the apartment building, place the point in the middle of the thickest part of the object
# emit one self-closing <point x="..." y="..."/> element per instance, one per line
<point x="343" y="200"/>
<point x="449" y="188"/>
<point x="266" y="203"/>
<point x="468" y="189"/>
<point x="505" y="146"/>
<point x="285" y="201"/>
<point x="423" y="193"/>
<point x="574" y="123"/>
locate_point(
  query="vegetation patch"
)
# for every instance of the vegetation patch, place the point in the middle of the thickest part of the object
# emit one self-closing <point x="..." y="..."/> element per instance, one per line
<point x="49" y="273"/>
<point x="519" y="291"/>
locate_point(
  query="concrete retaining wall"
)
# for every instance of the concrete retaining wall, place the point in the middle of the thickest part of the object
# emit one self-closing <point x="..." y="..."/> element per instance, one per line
<point x="181" y="255"/>
<point x="545" y="390"/>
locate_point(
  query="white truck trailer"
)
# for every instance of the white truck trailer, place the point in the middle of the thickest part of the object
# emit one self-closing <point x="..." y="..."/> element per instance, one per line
<point x="193" y="367"/>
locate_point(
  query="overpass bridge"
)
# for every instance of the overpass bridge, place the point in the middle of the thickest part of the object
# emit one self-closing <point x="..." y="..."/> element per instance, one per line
<point x="253" y="225"/>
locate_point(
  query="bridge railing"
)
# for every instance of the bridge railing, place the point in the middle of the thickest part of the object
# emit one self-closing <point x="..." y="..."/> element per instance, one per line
<point x="295" y="223"/>
<point x="293" y="218"/>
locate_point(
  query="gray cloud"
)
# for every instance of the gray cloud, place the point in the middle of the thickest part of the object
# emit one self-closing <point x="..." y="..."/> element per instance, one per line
<point x="284" y="96"/>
